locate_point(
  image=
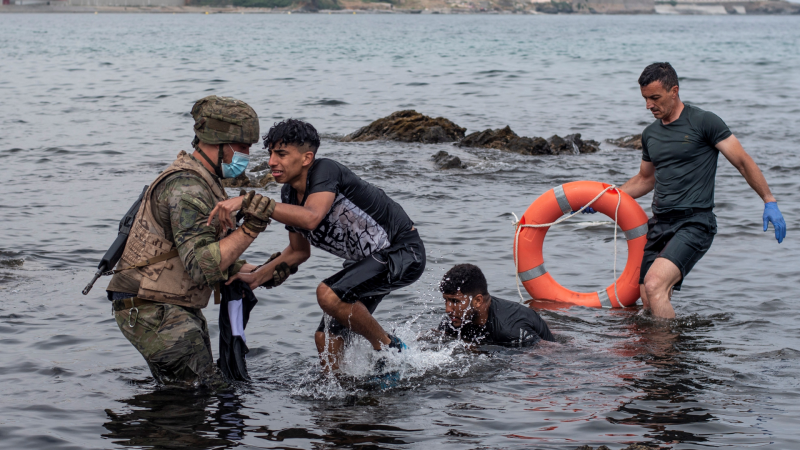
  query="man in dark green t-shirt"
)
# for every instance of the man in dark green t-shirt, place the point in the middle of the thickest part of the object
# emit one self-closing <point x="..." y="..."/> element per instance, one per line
<point x="679" y="160"/>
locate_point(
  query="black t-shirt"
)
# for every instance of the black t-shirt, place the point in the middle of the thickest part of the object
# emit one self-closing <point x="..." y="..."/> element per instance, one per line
<point x="509" y="324"/>
<point x="685" y="156"/>
<point x="362" y="219"/>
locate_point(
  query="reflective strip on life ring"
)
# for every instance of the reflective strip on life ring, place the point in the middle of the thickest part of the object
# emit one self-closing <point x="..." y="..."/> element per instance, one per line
<point x="562" y="200"/>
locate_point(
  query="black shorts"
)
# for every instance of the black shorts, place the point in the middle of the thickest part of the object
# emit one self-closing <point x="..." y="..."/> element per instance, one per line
<point x="369" y="280"/>
<point x="681" y="240"/>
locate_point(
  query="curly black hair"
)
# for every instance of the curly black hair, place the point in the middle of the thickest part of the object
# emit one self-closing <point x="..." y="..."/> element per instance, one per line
<point x="661" y="71"/>
<point x="292" y="131"/>
<point x="466" y="278"/>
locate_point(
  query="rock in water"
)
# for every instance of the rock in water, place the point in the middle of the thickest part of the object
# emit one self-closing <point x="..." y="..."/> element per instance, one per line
<point x="409" y="126"/>
<point x="244" y="181"/>
<point x="443" y="160"/>
<point x="506" y="139"/>
<point x="264" y="165"/>
<point x="633" y="141"/>
<point x="241" y="181"/>
<point x="266" y="179"/>
<point x="572" y="144"/>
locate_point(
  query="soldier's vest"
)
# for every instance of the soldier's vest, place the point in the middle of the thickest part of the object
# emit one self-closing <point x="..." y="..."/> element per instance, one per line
<point x="165" y="281"/>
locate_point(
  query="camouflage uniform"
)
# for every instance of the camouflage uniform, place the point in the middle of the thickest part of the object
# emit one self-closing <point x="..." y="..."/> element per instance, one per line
<point x="172" y="335"/>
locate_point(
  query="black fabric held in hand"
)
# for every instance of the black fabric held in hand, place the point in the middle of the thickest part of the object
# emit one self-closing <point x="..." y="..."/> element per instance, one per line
<point x="232" y="349"/>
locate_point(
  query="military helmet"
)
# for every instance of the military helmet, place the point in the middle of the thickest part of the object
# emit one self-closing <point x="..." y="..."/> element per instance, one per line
<point x="223" y="120"/>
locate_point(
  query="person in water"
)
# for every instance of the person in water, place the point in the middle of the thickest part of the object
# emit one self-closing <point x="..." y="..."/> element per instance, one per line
<point x="474" y="315"/>
<point x="173" y="257"/>
<point x="679" y="160"/>
<point x="326" y="205"/>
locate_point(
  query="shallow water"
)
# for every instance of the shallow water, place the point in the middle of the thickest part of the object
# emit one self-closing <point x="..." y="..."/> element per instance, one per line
<point x="92" y="107"/>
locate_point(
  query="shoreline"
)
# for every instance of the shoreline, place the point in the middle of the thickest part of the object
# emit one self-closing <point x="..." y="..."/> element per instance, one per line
<point x="659" y="8"/>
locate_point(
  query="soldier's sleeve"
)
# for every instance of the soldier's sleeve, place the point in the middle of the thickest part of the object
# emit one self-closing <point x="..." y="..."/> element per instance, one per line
<point x="190" y="202"/>
<point x="236" y="267"/>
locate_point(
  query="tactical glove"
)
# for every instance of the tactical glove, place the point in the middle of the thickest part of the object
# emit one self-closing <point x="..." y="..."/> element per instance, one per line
<point x="280" y="274"/>
<point x="257" y="210"/>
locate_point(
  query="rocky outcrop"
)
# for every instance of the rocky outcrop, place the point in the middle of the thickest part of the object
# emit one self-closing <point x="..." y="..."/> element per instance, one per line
<point x="264" y="165"/>
<point x="409" y="126"/>
<point x="443" y="160"/>
<point x="572" y="144"/>
<point x="506" y="139"/>
<point x="633" y="141"/>
<point x="245" y="181"/>
<point x="772" y="7"/>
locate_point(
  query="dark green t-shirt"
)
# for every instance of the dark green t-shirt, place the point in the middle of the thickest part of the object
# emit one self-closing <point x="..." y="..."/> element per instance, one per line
<point x="685" y="158"/>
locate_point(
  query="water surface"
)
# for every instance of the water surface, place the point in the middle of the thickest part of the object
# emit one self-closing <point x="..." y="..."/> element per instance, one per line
<point x="93" y="107"/>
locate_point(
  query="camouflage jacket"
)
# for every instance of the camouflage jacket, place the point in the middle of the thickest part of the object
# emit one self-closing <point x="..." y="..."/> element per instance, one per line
<point x="182" y="206"/>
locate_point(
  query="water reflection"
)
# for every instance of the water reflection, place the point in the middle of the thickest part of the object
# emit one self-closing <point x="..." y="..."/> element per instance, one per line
<point x="177" y="419"/>
<point x="670" y="391"/>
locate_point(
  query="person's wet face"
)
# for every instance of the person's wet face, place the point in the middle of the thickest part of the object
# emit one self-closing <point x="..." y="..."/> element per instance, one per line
<point x="286" y="161"/>
<point x="659" y="101"/>
<point x="459" y="308"/>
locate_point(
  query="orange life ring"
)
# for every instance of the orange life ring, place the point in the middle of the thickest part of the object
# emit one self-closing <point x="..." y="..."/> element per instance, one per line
<point x="562" y="200"/>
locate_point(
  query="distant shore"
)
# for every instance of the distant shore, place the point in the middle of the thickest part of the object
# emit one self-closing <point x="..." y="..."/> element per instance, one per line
<point x="483" y="7"/>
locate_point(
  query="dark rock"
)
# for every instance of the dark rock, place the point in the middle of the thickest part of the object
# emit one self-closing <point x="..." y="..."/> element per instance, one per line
<point x="409" y="126"/>
<point x="506" y="139"/>
<point x="633" y="141"/>
<point x="443" y="160"/>
<point x="572" y="144"/>
<point x="240" y="181"/>
<point x="584" y="447"/>
<point x="603" y="447"/>
<point x="264" y="180"/>
<point x="244" y="181"/>
<point x="636" y="447"/>
<point x="264" y="165"/>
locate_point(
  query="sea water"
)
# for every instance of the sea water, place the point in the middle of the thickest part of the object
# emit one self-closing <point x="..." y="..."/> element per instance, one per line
<point x="92" y="107"/>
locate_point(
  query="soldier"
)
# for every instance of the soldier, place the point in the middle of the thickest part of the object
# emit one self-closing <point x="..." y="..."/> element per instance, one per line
<point x="173" y="259"/>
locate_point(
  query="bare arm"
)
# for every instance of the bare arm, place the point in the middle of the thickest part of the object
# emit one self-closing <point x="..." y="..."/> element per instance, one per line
<point x="308" y="216"/>
<point x="641" y="183"/>
<point x="734" y="152"/>
<point x="232" y="247"/>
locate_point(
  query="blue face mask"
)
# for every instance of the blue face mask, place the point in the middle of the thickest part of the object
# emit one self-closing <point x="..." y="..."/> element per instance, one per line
<point x="237" y="166"/>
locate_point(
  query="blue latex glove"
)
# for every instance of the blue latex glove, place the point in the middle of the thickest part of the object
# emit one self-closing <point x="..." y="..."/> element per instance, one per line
<point x="773" y="214"/>
<point x="588" y="210"/>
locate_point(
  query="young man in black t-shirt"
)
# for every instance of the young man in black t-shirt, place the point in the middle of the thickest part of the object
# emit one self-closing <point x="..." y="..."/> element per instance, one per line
<point x="475" y="316"/>
<point x="328" y="206"/>
<point x="679" y="161"/>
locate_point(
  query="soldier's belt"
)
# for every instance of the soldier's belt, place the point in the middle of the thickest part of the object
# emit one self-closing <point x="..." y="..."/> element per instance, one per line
<point x="130" y="302"/>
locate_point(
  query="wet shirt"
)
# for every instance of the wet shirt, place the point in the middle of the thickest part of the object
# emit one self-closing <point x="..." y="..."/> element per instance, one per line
<point x="182" y="204"/>
<point x="508" y="324"/>
<point x="685" y="157"/>
<point x="362" y="219"/>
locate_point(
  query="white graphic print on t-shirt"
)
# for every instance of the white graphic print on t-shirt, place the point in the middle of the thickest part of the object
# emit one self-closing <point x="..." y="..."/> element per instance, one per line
<point x="348" y="232"/>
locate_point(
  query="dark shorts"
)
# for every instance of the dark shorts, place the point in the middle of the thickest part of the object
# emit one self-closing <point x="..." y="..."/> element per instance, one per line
<point x="369" y="280"/>
<point x="681" y="240"/>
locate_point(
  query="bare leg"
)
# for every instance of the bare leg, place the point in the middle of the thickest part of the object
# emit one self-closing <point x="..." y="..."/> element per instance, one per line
<point x="658" y="283"/>
<point x="643" y="293"/>
<point x="330" y="351"/>
<point x="354" y="316"/>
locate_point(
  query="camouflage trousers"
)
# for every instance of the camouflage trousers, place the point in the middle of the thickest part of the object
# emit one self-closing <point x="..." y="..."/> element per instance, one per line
<point x="174" y="341"/>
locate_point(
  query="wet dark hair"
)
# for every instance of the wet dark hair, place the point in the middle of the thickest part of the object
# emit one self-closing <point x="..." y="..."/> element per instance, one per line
<point x="662" y="72"/>
<point x="292" y="131"/>
<point x="467" y="278"/>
